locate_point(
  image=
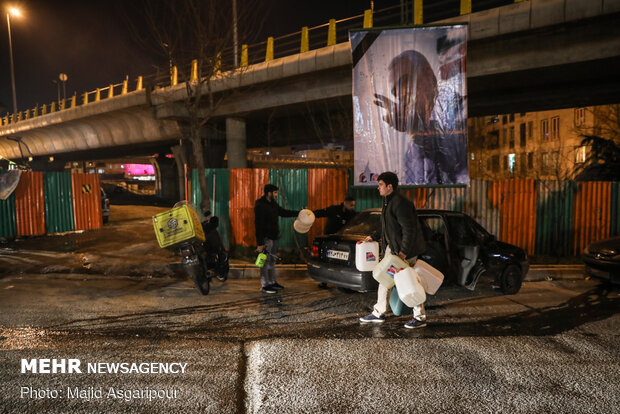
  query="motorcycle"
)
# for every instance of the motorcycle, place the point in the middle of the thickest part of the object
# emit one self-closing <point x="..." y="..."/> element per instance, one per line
<point x="202" y="253"/>
<point x="203" y="261"/>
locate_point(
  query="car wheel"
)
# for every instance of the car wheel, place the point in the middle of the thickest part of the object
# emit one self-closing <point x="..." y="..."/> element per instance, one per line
<point x="510" y="282"/>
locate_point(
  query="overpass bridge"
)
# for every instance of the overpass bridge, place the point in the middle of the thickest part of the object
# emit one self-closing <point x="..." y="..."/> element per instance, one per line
<point x="526" y="56"/>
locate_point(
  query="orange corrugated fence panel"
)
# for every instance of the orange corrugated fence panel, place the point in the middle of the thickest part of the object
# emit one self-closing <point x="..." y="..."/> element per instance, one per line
<point x="326" y="187"/>
<point x="517" y="202"/>
<point x="86" y="201"/>
<point x="591" y="213"/>
<point x="246" y="186"/>
<point x="30" y="204"/>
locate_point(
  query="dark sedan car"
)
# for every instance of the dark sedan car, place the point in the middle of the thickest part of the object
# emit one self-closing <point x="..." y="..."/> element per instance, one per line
<point x="456" y="245"/>
<point x="602" y="259"/>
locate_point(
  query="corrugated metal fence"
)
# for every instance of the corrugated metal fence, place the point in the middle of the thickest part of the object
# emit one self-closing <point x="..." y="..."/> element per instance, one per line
<point x="51" y="202"/>
<point x="555" y="218"/>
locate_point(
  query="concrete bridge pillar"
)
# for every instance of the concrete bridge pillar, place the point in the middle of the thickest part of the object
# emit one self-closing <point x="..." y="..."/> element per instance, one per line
<point x="167" y="182"/>
<point x="236" y="143"/>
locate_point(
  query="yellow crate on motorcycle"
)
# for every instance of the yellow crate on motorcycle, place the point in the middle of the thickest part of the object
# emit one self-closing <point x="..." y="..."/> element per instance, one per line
<point x="181" y="224"/>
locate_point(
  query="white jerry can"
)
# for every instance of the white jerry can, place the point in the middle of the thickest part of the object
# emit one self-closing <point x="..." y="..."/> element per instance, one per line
<point x="386" y="269"/>
<point x="430" y="277"/>
<point x="410" y="290"/>
<point x="366" y="256"/>
<point x="300" y="227"/>
<point x="306" y="217"/>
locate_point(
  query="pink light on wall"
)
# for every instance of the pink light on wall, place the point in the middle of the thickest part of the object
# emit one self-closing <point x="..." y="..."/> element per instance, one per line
<point x="139" y="169"/>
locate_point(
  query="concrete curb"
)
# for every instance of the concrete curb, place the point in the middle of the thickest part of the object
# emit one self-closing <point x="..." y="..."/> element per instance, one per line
<point x="535" y="274"/>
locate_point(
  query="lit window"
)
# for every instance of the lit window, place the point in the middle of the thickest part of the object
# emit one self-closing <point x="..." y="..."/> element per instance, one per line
<point x="473" y="157"/>
<point x="100" y="171"/>
<point x="580" y="154"/>
<point x="512" y="159"/>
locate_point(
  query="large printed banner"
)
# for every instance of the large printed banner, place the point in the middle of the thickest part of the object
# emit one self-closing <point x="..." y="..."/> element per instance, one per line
<point x="409" y="104"/>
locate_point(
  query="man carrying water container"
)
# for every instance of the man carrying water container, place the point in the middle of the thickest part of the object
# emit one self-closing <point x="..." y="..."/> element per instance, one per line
<point x="266" y="213"/>
<point x="402" y="235"/>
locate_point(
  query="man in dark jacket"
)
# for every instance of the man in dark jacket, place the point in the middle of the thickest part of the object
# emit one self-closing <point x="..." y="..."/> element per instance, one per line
<point x="337" y="215"/>
<point x="266" y="213"/>
<point x="401" y="234"/>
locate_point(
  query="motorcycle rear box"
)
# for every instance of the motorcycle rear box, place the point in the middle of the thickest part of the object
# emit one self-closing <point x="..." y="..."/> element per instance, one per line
<point x="178" y="225"/>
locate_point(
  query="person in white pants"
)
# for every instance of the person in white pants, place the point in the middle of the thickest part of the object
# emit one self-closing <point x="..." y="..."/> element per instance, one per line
<point x="401" y="234"/>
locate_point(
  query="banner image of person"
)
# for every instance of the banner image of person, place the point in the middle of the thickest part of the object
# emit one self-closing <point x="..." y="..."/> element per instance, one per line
<point x="409" y="104"/>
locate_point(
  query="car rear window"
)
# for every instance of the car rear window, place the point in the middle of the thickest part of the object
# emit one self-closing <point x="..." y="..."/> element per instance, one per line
<point x="364" y="223"/>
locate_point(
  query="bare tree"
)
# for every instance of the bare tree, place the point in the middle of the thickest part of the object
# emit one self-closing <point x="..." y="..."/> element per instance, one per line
<point x="602" y="137"/>
<point x="182" y="31"/>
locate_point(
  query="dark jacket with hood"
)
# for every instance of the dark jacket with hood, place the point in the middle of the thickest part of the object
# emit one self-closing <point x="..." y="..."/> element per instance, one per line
<point x="400" y="227"/>
<point x="266" y="215"/>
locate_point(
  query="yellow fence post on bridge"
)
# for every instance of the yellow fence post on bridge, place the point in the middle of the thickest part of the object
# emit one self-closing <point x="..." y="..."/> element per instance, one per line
<point x="62" y="104"/>
<point x="367" y="19"/>
<point x="139" y="84"/>
<point x="418" y="12"/>
<point x="174" y="76"/>
<point x="124" y="90"/>
<point x="111" y="91"/>
<point x="305" y="40"/>
<point x="85" y="99"/>
<point x="331" y="33"/>
<point x="194" y="75"/>
<point x="244" y="56"/>
<point x="97" y="95"/>
<point x="465" y="7"/>
<point x="269" y="52"/>
<point x="73" y="99"/>
<point x="53" y="107"/>
<point x="44" y="109"/>
<point x="217" y="68"/>
<point x="27" y="114"/>
<point x="35" y="111"/>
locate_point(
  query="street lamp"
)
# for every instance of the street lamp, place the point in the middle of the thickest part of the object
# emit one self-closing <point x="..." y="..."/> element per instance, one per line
<point x="15" y="12"/>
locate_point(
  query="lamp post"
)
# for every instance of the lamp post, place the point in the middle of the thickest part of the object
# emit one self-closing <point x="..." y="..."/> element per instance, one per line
<point x="14" y="12"/>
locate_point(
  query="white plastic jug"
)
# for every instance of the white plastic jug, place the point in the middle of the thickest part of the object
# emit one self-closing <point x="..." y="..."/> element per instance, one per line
<point x="430" y="277"/>
<point x="410" y="290"/>
<point x="386" y="269"/>
<point x="366" y="256"/>
<point x="306" y="217"/>
<point x="300" y="227"/>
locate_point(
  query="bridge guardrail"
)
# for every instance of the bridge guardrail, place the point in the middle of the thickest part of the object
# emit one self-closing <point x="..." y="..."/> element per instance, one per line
<point x="335" y="31"/>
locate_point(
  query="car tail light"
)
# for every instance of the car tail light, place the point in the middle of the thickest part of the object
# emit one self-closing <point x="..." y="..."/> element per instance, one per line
<point x="314" y="252"/>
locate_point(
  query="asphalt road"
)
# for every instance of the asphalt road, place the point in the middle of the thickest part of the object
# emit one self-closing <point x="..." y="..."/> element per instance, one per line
<point x="551" y="348"/>
<point x="112" y="296"/>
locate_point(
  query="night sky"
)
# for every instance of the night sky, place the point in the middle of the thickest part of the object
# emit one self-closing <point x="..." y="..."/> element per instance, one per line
<point x="92" y="43"/>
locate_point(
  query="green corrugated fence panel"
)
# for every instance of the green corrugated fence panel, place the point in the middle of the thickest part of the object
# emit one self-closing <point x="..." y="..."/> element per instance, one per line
<point x="8" y="219"/>
<point x="365" y="197"/>
<point x="293" y="195"/>
<point x="58" y="202"/>
<point x="217" y="178"/>
<point x="615" y="210"/>
<point x="554" y="217"/>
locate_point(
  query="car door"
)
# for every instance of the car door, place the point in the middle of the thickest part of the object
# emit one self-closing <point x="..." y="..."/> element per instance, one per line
<point x="438" y="253"/>
<point x="465" y="243"/>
